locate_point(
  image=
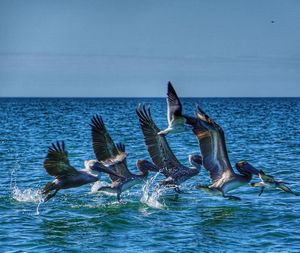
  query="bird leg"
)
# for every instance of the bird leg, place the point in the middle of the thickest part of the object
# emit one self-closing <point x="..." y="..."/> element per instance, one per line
<point x="177" y="189"/>
<point x="112" y="190"/>
<point x="119" y="196"/>
<point x="261" y="191"/>
<point x="51" y="195"/>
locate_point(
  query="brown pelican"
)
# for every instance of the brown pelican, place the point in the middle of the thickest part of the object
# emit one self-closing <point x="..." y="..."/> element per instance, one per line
<point x="113" y="156"/>
<point x="161" y="154"/>
<point x="268" y="181"/>
<point x="176" y="120"/>
<point x="66" y="176"/>
<point x="215" y="158"/>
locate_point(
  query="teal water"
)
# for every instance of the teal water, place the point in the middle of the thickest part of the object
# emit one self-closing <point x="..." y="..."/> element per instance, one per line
<point x="264" y="131"/>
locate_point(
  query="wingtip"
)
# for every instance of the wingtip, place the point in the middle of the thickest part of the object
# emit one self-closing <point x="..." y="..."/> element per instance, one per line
<point x="171" y="89"/>
<point x="97" y="122"/>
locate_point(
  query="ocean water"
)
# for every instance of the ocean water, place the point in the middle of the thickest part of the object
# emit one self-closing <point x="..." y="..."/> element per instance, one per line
<point x="264" y="131"/>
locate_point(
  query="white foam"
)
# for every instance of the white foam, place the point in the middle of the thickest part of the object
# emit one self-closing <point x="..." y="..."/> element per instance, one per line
<point x="27" y="195"/>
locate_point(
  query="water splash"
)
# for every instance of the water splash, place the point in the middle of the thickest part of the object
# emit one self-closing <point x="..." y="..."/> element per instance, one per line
<point x="152" y="200"/>
<point x="27" y="195"/>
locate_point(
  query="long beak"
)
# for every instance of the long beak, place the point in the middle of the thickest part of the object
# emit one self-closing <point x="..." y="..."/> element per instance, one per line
<point x="101" y="168"/>
<point x="287" y="189"/>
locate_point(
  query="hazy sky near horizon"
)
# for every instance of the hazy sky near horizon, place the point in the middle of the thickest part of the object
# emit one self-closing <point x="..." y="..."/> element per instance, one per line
<point x="133" y="48"/>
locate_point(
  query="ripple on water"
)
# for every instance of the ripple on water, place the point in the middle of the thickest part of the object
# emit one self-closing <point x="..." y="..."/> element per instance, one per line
<point x="147" y="220"/>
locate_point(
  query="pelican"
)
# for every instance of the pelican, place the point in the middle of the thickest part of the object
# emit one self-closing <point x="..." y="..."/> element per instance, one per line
<point x="114" y="156"/>
<point x="268" y="181"/>
<point x="57" y="164"/>
<point x="161" y="154"/>
<point x="177" y="122"/>
<point x="212" y="144"/>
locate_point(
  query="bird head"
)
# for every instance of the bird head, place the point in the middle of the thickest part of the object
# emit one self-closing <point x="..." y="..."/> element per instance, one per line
<point x="246" y="168"/>
<point x="196" y="160"/>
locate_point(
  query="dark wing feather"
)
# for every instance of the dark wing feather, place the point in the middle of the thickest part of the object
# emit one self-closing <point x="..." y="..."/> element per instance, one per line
<point x="157" y="145"/>
<point x="120" y="169"/>
<point x="211" y="140"/>
<point x="118" y="163"/>
<point x="103" y="145"/>
<point x="57" y="163"/>
<point x="174" y="104"/>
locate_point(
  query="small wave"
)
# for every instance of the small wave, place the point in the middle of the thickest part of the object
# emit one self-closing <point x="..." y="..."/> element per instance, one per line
<point x="152" y="199"/>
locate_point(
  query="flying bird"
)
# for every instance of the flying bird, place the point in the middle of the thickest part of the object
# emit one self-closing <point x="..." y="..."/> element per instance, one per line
<point x="162" y="155"/>
<point x="57" y="164"/>
<point x="212" y="144"/>
<point x="177" y="122"/>
<point x="268" y="181"/>
<point x="114" y="157"/>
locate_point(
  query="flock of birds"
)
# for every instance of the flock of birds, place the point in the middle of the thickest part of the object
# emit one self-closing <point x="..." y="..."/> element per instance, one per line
<point x="111" y="158"/>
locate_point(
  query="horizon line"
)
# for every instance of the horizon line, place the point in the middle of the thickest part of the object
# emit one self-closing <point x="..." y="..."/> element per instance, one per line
<point x="148" y="97"/>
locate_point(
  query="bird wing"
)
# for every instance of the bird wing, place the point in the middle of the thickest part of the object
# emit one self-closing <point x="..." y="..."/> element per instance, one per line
<point x="174" y="104"/>
<point x="103" y="145"/>
<point x="57" y="163"/>
<point x="118" y="163"/>
<point x="157" y="145"/>
<point x="211" y="140"/>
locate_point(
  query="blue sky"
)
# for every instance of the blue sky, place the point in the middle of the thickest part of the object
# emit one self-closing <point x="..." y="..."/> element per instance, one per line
<point x="132" y="48"/>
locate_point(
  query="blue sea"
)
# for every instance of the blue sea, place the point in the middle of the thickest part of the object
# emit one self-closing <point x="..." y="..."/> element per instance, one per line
<point x="263" y="131"/>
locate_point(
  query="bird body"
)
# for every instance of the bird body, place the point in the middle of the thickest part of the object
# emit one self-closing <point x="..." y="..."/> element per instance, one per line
<point x="75" y="181"/>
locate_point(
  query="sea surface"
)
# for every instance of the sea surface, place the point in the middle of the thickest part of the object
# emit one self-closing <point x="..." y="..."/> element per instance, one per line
<point x="263" y="131"/>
